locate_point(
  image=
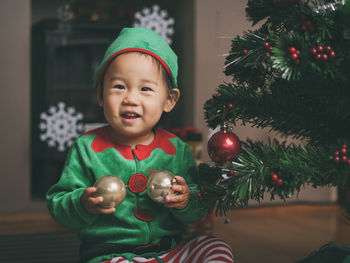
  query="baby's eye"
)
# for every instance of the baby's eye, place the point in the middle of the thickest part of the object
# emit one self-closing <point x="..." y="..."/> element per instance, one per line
<point x="146" y="89"/>
<point x="119" y="87"/>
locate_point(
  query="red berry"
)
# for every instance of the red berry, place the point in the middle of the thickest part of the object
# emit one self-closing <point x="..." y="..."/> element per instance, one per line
<point x="336" y="153"/>
<point x="344" y="146"/>
<point x="218" y="95"/>
<point x="232" y="173"/>
<point x="304" y="27"/>
<point x="230" y="105"/>
<point x="267" y="54"/>
<point x="328" y="48"/>
<point x="324" y="57"/>
<point x="294" y="56"/>
<point x="292" y="49"/>
<point x="314" y="51"/>
<point x="336" y="159"/>
<point x="245" y="51"/>
<point x="332" y="54"/>
<point x="319" y="48"/>
<point x="266" y="44"/>
<point x="274" y="176"/>
<point x="318" y="56"/>
<point x="298" y="52"/>
<point x="270" y="48"/>
<point x="344" y="159"/>
<point x="297" y="61"/>
<point x="344" y="151"/>
<point x="349" y="162"/>
<point x="279" y="181"/>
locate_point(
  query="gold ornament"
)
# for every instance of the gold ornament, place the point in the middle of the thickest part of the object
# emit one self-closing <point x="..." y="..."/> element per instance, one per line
<point x="112" y="189"/>
<point x="159" y="185"/>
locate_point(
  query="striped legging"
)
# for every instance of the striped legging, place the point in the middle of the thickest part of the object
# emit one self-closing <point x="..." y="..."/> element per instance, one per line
<point x="202" y="249"/>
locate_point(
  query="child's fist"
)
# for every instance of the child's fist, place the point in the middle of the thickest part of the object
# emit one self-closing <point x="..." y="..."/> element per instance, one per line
<point x="91" y="203"/>
<point x="182" y="196"/>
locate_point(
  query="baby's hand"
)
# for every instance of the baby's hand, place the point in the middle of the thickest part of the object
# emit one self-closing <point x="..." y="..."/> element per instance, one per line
<point x="91" y="203"/>
<point x="181" y="199"/>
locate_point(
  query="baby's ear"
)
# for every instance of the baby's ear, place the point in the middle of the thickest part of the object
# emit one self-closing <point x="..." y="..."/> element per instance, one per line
<point x="173" y="97"/>
<point x="100" y="96"/>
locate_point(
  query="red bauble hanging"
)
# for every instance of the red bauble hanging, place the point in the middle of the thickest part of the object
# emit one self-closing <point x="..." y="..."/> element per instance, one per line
<point x="224" y="146"/>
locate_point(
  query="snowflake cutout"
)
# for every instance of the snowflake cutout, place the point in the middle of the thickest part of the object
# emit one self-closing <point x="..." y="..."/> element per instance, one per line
<point x="157" y="21"/>
<point x="60" y="127"/>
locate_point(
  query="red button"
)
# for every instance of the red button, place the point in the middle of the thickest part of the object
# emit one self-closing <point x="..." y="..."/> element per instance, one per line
<point x="137" y="183"/>
<point x="143" y="215"/>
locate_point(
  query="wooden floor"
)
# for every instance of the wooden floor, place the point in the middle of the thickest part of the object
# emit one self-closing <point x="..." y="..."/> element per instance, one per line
<point x="277" y="234"/>
<point x="282" y="234"/>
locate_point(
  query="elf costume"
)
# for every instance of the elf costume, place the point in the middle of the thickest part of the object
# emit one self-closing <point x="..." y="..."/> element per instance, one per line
<point x="138" y="220"/>
<point x="139" y="226"/>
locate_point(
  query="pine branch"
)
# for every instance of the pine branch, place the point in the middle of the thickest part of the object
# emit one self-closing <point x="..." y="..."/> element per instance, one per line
<point x="296" y="166"/>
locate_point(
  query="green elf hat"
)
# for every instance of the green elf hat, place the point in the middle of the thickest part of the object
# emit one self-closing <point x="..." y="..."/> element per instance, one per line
<point x="140" y="39"/>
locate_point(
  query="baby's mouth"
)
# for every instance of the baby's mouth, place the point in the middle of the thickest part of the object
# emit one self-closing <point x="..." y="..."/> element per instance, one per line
<point x="130" y="115"/>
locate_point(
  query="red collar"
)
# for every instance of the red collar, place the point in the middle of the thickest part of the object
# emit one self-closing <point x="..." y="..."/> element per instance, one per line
<point x="161" y="140"/>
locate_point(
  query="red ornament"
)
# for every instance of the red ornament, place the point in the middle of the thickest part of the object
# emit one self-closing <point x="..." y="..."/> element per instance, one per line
<point x="336" y="153"/>
<point x="245" y="51"/>
<point x="349" y="162"/>
<point x="303" y="27"/>
<point x="314" y="51"/>
<point x="224" y="146"/>
<point x="332" y="54"/>
<point x="328" y="48"/>
<point x="230" y="105"/>
<point x="267" y="54"/>
<point x="324" y="57"/>
<point x="336" y="159"/>
<point x="218" y="95"/>
<point x="344" y="146"/>
<point x="297" y="61"/>
<point x="344" y="159"/>
<point x="279" y="181"/>
<point x="266" y="44"/>
<point x="318" y="56"/>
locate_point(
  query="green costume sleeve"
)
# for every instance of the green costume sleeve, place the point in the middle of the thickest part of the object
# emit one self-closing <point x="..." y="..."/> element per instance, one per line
<point x="63" y="198"/>
<point x="192" y="212"/>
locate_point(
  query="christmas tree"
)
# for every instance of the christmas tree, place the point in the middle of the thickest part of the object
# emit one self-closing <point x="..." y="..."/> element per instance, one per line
<point x="292" y="75"/>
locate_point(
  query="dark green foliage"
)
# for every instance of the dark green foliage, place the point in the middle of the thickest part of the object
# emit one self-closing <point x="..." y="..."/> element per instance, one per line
<point x="307" y="99"/>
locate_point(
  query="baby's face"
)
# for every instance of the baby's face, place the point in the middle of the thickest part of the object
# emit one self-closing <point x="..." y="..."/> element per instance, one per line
<point x="134" y="97"/>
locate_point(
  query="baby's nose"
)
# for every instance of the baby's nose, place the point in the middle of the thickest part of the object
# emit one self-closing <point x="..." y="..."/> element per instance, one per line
<point x="131" y="97"/>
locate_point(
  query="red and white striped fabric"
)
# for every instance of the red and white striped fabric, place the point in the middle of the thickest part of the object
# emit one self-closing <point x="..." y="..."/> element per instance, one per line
<point x="202" y="249"/>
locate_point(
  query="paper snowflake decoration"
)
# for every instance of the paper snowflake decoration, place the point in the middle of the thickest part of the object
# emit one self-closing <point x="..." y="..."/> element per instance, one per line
<point x="156" y="20"/>
<point x="60" y="127"/>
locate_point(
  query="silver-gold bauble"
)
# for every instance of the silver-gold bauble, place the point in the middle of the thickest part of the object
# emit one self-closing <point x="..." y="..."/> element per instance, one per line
<point x="159" y="185"/>
<point x="112" y="189"/>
